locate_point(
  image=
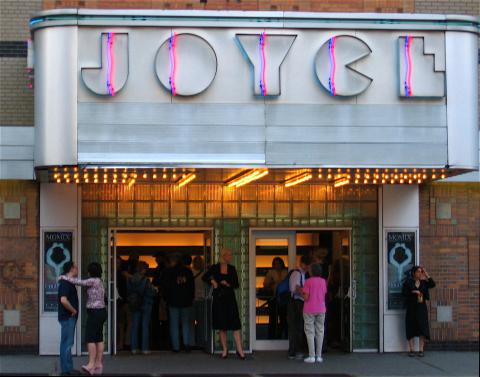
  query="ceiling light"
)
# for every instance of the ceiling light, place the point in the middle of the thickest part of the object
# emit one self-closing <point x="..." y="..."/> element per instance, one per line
<point x="247" y="177"/>
<point x="187" y="178"/>
<point x="298" y="179"/>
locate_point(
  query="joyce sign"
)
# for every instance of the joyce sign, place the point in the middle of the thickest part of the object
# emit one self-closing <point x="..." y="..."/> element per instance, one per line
<point x="400" y="260"/>
<point x="186" y="64"/>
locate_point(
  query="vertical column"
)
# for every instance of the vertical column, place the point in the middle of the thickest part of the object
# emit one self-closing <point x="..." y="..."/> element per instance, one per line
<point x="399" y="217"/>
<point x="58" y="213"/>
<point x="56" y="96"/>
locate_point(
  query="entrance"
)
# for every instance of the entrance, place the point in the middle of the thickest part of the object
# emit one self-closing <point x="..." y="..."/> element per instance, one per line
<point x="273" y="253"/>
<point x="158" y="248"/>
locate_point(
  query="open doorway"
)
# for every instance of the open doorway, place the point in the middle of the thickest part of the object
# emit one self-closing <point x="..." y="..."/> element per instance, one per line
<point x="158" y="250"/>
<point x="274" y="252"/>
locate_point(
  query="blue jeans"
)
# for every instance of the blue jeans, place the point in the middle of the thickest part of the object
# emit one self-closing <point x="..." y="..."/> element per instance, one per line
<point x="143" y="317"/>
<point x="66" y="342"/>
<point x="183" y="315"/>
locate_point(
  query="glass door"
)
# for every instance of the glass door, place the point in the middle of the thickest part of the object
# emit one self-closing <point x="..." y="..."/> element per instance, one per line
<point x="272" y="254"/>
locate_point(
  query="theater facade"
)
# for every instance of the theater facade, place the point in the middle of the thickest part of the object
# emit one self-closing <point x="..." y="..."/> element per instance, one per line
<point x="271" y="133"/>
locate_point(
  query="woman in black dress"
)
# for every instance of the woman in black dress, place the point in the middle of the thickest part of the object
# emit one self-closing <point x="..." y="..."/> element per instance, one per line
<point x="415" y="289"/>
<point x="223" y="278"/>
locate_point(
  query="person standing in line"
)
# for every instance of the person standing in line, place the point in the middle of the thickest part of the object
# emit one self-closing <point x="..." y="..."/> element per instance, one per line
<point x="140" y="296"/>
<point x="416" y="290"/>
<point x="67" y="316"/>
<point x="198" y="270"/>
<point x="224" y="280"/>
<point x="96" y="316"/>
<point x="314" y="310"/>
<point x="180" y="290"/>
<point x="296" y="335"/>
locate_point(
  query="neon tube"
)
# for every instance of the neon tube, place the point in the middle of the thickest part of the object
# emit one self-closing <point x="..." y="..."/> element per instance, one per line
<point x="408" y="66"/>
<point x="110" y="63"/>
<point x="333" y="66"/>
<point x="173" y="64"/>
<point x="263" y="64"/>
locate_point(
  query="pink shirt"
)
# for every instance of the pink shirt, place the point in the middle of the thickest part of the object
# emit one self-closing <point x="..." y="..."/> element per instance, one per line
<point x="316" y="287"/>
<point x="95" y="291"/>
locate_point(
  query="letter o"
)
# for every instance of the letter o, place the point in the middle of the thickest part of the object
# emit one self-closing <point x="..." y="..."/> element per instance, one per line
<point x="190" y="65"/>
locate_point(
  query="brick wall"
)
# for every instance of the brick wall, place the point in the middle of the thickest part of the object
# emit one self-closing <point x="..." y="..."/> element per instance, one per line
<point x="19" y="247"/>
<point x="16" y="99"/>
<point x="449" y="250"/>
<point x="397" y="6"/>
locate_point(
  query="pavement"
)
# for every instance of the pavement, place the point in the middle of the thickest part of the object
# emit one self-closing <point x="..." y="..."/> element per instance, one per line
<point x="260" y="364"/>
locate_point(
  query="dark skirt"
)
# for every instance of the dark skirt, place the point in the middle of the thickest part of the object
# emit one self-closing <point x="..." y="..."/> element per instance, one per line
<point x="416" y="321"/>
<point x="94" y="327"/>
<point x="225" y="310"/>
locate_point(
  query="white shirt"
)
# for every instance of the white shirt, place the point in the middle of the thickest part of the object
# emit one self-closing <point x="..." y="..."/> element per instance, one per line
<point x="297" y="278"/>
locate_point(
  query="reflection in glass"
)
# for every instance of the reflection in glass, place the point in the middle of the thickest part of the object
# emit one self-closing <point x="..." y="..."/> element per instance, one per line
<point x="271" y="261"/>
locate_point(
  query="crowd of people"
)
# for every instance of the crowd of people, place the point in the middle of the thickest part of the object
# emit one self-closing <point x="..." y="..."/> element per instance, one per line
<point x="177" y="291"/>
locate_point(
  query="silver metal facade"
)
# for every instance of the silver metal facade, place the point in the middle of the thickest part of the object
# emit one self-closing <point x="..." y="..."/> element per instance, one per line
<point x="227" y="124"/>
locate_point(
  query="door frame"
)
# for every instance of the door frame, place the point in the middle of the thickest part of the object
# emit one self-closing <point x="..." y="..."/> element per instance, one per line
<point x="112" y="280"/>
<point x="262" y="345"/>
<point x="275" y="233"/>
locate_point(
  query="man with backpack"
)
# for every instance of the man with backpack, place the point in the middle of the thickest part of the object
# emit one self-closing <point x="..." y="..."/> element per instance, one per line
<point x="140" y="297"/>
<point x="297" y="343"/>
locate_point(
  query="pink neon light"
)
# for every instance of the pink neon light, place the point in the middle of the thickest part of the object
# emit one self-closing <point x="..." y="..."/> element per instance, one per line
<point x="333" y="66"/>
<point x="408" y="66"/>
<point x="173" y="63"/>
<point x="110" y="63"/>
<point x="263" y="82"/>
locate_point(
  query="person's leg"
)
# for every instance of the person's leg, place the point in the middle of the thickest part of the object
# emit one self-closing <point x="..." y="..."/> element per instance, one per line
<point x="300" y="339"/>
<point x="174" y="328"/>
<point x="223" y="341"/>
<point x="128" y="326"/>
<point x="136" y="318"/>
<point x="421" y="343"/>
<point x="146" y="318"/>
<point x="121" y="325"/>
<point x="100" y="349"/>
<point x="70" y="339"/>
<point x="291" y="328"/>
<point x="411" y="344"/>
<point x="319" y="331"/>
<point x="238" y="342"/>
<point x="92" y="355"/>
<point x="63" y="346"/>
<point x="309" y="329"/>
<point x="186" y="319"/>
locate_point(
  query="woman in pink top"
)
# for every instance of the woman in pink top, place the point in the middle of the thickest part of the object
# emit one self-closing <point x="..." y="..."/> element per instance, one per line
<point x="96" y="317"/>
<point x="314" y="311"/>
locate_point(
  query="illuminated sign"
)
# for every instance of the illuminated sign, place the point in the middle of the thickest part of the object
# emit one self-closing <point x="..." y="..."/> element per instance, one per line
<point x="186" y="64"/>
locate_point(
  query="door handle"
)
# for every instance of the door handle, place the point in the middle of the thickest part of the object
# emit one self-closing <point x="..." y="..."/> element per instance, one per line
<point x="354" y="289"/>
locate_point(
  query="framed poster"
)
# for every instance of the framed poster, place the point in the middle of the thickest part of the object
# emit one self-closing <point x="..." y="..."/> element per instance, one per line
<point x="57" y="250"/>
<point x="401" y="251"/>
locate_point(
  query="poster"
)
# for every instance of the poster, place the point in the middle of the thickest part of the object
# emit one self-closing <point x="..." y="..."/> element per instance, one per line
<point x="57" y="250"/>
<point x="400" y="260"/>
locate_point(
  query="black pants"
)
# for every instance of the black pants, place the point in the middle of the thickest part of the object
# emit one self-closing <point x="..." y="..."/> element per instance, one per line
<point x="297" y="342"/>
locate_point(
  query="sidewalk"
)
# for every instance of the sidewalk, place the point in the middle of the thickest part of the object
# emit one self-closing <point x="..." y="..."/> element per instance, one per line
<point x="434" y="364"/>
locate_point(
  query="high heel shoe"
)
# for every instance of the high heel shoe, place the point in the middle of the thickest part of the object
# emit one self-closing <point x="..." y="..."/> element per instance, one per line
<point x="224" y="356"/>
<point x="241" y="357"/>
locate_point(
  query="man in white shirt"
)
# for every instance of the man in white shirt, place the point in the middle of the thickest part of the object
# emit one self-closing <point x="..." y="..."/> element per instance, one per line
<point x="297" y="344"/>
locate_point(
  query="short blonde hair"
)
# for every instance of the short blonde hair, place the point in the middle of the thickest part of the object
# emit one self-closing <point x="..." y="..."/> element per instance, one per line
<point x="225" y="251"/>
